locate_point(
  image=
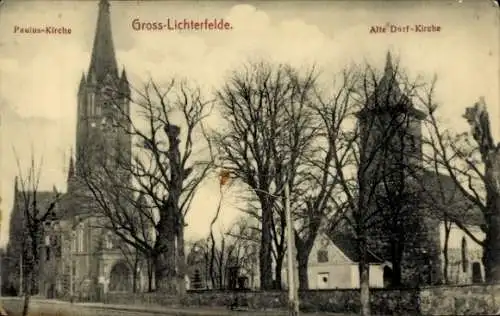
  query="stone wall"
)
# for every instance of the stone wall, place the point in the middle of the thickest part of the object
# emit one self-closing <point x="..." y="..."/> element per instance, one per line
<point x="435" y="300"/>
<point x="460" y="300"/>
<point x="384" y="302"/>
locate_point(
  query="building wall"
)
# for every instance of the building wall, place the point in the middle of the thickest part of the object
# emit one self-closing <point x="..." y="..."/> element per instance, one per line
<point x="337" y="272"/>
<point x="376" y="276"/>
<point x="87" y="261"/>
<point x="460" y="271"/>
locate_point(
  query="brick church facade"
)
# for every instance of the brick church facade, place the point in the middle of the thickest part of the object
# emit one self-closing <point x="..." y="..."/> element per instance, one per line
<point x="80" y="258"/>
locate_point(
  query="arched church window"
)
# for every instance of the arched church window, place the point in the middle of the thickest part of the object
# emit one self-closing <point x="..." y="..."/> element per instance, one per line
<point x="92" y="104"/>
<point x="98" y="110"/>
<point x="80" y="239"/>
<point x="108" y="241"/>
<point x="74" y="243"/>
<point x="465" y="261"/>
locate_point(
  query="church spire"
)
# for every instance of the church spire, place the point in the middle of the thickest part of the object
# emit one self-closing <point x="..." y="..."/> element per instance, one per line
<point x="389" y="68"/>
<point x="81" y="86"/>
<point x="103" y="60"/>
<point x="124" y="85"/>
<point x="71" y="169"/>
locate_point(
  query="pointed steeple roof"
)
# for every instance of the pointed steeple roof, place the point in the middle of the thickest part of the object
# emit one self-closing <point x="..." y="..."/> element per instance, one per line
<point x="388" y="81"/>
<point x="16" y="183"/>
<point x="124" y="85"/>
<point x="389" y="68"/>
<point x="71" y="169"/>
<point x="103" y="60"/>
<point x="81" y="86"/>
<point x="387" y="92"/>
<point x="124" y="76"/>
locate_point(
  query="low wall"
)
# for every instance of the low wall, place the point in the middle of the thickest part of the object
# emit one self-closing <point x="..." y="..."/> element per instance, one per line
<point x="428" y="301"/>
<point x="383" y="301"/>
<point x="460" y="300"/>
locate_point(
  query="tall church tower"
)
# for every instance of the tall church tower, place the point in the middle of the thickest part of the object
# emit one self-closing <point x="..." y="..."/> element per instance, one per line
<point x="391" y="156"/>
<point x="390" y="127"/>
<point x="103" y="105"/>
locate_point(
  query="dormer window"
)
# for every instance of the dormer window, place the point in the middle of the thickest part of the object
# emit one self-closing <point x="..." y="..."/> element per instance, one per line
<point x="322" y="256"/>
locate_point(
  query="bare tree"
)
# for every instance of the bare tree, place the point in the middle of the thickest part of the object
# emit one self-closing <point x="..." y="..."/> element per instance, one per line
<point x="119" y="209"/>
<point x="165" y="168"/>
<point x="318" y="182"/>
<point x="472" y="162"/>
<point x="198" y="256"/>
<point x="36" y="209"/>
<point x="213" y="250"/>
<point x="245" y="235"/>
<point x="267" y="131"/>
<point x="168" y="166"/>
<point x="236" y="247"/>
<point x="369" y="151"/>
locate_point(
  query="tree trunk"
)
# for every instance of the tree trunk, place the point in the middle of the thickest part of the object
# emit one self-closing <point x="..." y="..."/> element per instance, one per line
<point x="34" y="261"/>
<point x="26" y="304"/>
<point x="27" y="290"/>
<point x="165" y="252"/>
<point x="491" y="256"/>
<point x="211" y="265"/>
<point x="134" y="276"/>
<point x="277" y="270"/>
<point x="397" y="259"/>
<point x="150" y="275"/>
<point x="445" y="251"/>
<point x="302" y="259"/>
<point x="181" y="261"/>
<point x="364" y="278"/>
<point x="265" y="255"/>
<point x="162" y="274"/>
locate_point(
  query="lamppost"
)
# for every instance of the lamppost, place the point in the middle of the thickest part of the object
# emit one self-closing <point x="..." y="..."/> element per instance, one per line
<point x="293" y="295"/>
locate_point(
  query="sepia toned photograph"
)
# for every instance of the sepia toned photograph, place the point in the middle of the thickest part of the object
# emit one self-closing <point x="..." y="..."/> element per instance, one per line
<point x="217" y="158"/>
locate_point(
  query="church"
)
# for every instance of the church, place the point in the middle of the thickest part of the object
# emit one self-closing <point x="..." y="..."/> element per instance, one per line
<point x="80" y="258"/>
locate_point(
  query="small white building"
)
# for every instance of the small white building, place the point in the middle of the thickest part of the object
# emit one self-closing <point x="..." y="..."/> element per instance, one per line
<point x="333" y="263"/>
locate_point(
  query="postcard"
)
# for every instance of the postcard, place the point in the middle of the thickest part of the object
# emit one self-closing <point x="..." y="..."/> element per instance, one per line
<point x="283" y="157"/>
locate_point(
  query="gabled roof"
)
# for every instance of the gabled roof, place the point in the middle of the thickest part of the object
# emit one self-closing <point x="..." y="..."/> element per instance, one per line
<point x="348" y="245"/>
<point x="442" y="192"/>
<point x="43" y="198"/>
<point x="388" y="96"/>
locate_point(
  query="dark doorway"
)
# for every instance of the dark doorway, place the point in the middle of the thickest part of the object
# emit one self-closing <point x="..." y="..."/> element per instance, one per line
<point x="233" y="277"/>
<point x="387" y="276"/>
<point x="477" y="275"/>
<point x="120" y="278"/>
<point x="51" y="291"/>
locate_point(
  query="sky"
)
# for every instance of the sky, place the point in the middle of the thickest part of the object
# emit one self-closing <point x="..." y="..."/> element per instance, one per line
<point x="39" y="73"/>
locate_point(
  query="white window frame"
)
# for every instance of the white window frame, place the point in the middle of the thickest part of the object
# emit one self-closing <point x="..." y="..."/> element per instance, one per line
<point x="80" y="236"/>
<point x="108" y="241"/>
